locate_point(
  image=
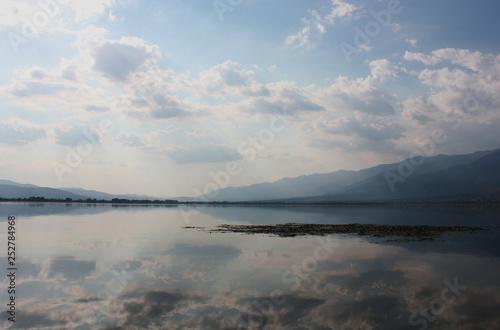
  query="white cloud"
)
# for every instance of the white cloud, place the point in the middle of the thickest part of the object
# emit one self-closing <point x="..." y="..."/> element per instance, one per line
<point x="475" y="80"/>
<point x="225" y="78"/>
<point x="461" y="100"/>
<point x="300" y="39"/>
<point x="365" y="127"/>
<point x="116" y="60"/>
<point x="118" y="75"/>
<point x="318" y="24"/>
<point x="383" y="69"/>
<point x="476" y="61"/>
<point x="362" y="94"/>
<point x="340" y="9"/>
<point x="421" y="110"/>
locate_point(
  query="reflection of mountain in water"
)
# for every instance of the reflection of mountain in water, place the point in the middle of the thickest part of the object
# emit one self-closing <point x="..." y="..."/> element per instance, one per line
<point x="36" y="209"/>
<point x="388" y="215"/>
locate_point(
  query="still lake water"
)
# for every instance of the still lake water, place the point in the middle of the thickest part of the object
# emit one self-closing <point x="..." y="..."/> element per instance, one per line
<point x="127" y="267"/>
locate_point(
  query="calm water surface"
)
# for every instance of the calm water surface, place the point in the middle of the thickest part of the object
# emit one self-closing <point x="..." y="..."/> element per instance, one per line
<point x="136" y="267"/>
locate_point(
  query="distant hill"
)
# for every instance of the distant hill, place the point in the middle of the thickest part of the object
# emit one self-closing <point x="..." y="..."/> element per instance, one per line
<point x="367" y="183"/>
<point x="11" y="189"/>
<point x="101" y="195"/>
<point x="12" y="183"/>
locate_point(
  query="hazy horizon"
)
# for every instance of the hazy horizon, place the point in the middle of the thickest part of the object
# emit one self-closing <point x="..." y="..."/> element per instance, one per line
<point x="177" y="196"/>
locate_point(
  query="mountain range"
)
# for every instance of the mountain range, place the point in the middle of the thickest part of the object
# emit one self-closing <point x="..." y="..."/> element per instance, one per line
<point x="425" y="177"/>
<point x="469" y="176"/>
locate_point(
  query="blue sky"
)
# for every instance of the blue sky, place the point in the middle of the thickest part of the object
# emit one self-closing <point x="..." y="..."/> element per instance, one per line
<point x="165" y="97"/>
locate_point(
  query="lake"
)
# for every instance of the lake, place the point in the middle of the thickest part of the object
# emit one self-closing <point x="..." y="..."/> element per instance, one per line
<point x="97" y="266"/>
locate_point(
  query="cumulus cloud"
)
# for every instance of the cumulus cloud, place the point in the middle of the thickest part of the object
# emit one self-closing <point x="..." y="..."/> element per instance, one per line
<point x="128" y="63"/>
<point x="117" y="60"/>
<point x="473" y="60"/>
<point x="38" y="73"/>
<point x="421" y="110"/>
<point x="157" y="104"/>
<point x="461" y="99"/>
<point x="383" y="69"/>
<point x="373" y="130"/>
<point x="363" y="94"/>
<point x="224" y="79"/>
<point x="467" y="80"/>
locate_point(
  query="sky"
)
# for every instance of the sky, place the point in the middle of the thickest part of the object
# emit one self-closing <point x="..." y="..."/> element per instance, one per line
<point x="177" y="98"/>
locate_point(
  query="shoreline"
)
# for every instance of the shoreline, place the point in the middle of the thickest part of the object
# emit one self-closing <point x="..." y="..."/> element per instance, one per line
<point x="263" y="204"/>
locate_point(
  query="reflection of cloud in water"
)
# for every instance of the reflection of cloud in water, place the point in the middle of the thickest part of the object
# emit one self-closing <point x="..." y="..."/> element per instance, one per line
<point x="370" y="295"/>
<point x="182" y="282"/>
<point x="153" y="307"/>
<point x="71" y="269"/>
<point x="41" y="318"/>
<point x="191" y="264"/>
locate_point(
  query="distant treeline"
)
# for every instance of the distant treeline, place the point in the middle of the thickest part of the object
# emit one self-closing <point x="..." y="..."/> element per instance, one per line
<point x="90" y="200"/>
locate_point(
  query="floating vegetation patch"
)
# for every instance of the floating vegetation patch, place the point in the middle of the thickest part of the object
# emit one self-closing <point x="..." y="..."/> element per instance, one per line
<point x="400" y="232"/>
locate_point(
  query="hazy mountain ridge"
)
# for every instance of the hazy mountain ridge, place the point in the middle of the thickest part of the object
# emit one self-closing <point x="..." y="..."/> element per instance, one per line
<point x="477" y="179"/>
<point x="471" y="174"/>
<point x="102" y="195"/>
<point x="11" y="189"/>
<point x="352" y="184"/>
